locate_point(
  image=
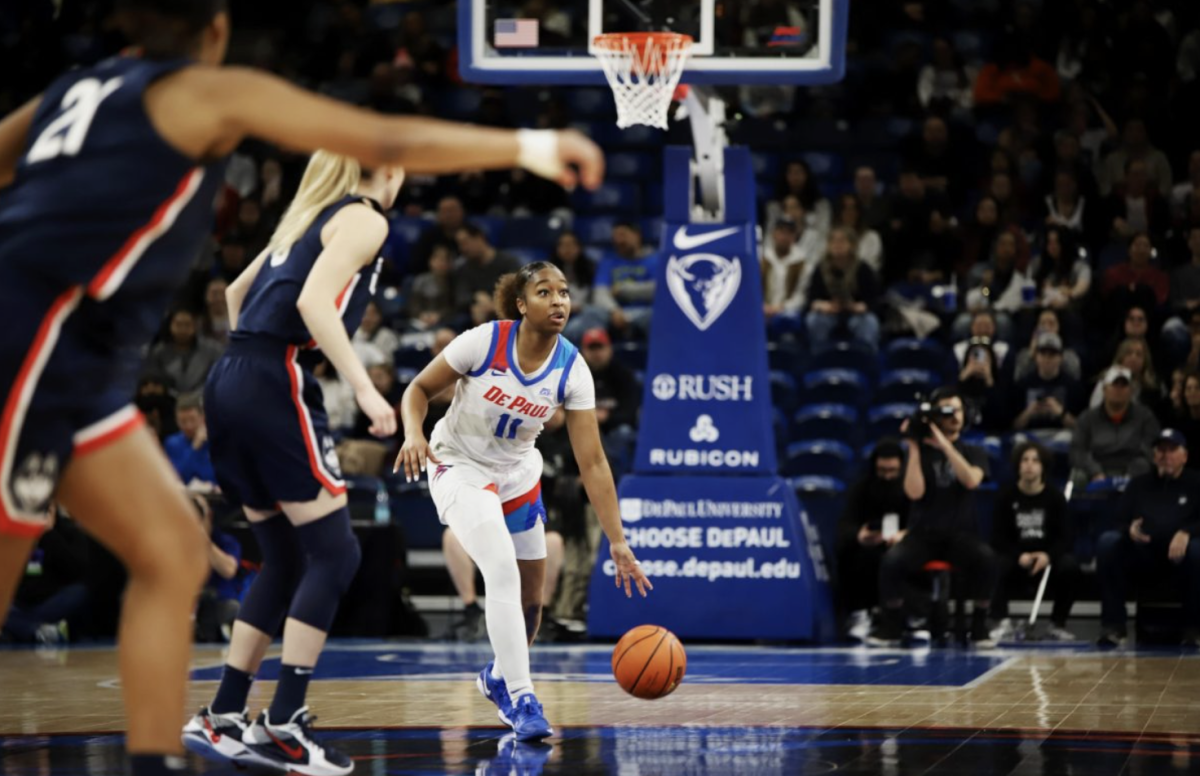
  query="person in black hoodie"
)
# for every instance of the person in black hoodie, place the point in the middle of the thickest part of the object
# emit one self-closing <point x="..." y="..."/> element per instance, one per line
<point x="874" y="519"/>
<point x="1157" y="518"/>
<point x="1029" y="534"/>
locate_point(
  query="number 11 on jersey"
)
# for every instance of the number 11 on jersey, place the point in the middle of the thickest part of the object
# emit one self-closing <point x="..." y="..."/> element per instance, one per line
<point x="505" y="425"/>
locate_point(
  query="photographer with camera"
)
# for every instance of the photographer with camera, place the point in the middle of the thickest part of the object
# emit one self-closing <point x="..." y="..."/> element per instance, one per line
<point x="940" y="477"/>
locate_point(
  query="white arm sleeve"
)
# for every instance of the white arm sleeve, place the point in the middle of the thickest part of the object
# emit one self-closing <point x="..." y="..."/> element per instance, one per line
<point x="467" y="351"/>
<point x="580" y="391"/>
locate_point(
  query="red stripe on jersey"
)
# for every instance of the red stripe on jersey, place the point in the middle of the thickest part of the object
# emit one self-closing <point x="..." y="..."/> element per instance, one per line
<point x="306" y="428"/>
<point x="20" y="394"/>
<point x="500" y="357"/>
<point x="133" y="248"/>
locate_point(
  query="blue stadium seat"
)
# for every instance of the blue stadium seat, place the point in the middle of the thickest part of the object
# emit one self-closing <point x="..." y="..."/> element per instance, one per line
<point x="851" y="355"/>
<point x="912" y="353"/>
<point x="462" y="104"/>
<point x="362" y="493"/>
<point x="595" y="230"/>
<point x="632" y="164"/>
<point x="783" y="391"/>
<point x="785" y="357"/>
<point x="825" y="165"/>
<point x="589" y="102"/>
<point x="826" y="421"/>
<point x="835" y="386"/>
<point x="766" y="166"/>
<point x="898" y="386"/>
<point x="492" y="226"/>
<point x="821" y="457"/>
<point x="532" y="232"/>
<point x="885" y="420"/>
<point x="813" y="484"/>
<point x="612" y="197"/>
<point x="631" y="354"/>
<point x="413" y="509"/>
<point x="652" y="229"/>
<point x="529" y="255"/>
<point x="411" y="357"/>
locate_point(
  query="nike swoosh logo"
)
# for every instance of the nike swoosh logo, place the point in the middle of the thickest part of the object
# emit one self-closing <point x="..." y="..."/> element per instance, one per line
<point x="685" y="241"/>
<point x="214" y="735"/>
<point x="295" y="752"/>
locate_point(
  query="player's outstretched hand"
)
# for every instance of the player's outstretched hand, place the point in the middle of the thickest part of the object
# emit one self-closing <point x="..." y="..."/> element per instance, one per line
<point x="413" y="457"/>
<point x="629" y="571"/>
<point x="375" y="407"/>
<point x="583" y="161"/>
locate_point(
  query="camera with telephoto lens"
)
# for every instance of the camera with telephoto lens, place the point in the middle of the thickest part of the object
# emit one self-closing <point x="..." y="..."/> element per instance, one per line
<point x="928" y="412"/>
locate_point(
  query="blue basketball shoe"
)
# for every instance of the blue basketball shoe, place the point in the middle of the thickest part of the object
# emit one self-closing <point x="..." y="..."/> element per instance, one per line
<point x="528" y="720"/>
<point x="496" y="691"/>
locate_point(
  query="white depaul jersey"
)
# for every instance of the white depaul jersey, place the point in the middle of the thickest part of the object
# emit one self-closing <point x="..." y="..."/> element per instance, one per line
<point x="497" y="411"/>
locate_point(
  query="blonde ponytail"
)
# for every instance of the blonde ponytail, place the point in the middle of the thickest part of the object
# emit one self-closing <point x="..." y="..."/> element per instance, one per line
<point x="328" y="178"/>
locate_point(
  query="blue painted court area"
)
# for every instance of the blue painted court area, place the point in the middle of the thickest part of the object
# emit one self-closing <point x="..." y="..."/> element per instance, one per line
<point x="706" y="665"/>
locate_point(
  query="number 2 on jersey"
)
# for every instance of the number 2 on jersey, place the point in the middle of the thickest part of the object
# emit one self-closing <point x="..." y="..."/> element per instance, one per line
<point x="65" y="135"/>
<point x="505" y="425"/>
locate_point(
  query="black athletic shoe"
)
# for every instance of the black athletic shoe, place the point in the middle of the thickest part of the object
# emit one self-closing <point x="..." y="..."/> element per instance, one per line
<point x="887" y="630"/>
<point x="1191" y="638"/>
<point x="1111" y="637"/>
<point x="292" y="746"/>
<point x="980" y="633"/>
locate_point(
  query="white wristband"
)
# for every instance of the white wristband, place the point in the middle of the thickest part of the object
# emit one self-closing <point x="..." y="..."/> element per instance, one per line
<point x="538" y="152"/>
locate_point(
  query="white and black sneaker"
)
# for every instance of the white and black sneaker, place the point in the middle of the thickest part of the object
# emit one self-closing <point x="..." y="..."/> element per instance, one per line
<point x="291" y="746"/>
<point x="219" y="737"/>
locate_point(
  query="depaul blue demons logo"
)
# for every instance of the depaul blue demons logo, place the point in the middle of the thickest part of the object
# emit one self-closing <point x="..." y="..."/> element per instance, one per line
<point x="702" y="284"/>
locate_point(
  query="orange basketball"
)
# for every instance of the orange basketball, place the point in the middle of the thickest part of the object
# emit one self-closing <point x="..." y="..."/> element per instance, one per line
<point x="649" y="662"/>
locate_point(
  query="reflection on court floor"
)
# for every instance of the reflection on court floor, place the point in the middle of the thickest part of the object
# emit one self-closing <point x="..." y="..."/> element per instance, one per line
<point x="411" y="708"/>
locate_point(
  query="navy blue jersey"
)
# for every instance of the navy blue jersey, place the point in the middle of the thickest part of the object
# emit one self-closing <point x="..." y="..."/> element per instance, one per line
<point x="270" y="306"/>
<point x="101" y="201"/>
<point x="100" y="225"/>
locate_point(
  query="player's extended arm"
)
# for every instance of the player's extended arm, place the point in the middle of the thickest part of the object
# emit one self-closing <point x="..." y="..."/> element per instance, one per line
<point x="235" y="293"/>
<point x="14" y="135"/>
<point x="257" y="104"/>
<point x="436" y="377"/>
<point x="598" y="482"/>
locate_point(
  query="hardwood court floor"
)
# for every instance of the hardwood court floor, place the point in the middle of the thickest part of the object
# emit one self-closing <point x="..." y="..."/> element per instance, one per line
<point x="413" y="708"/>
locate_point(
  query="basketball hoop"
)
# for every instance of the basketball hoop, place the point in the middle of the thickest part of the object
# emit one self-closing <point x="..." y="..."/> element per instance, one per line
<point x="643" y="69"/>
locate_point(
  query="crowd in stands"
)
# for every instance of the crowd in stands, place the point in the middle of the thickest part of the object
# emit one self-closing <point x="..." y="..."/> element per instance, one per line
<point x="1001" y="197"/>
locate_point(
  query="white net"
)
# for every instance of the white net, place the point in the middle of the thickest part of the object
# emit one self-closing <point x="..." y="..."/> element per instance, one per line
<point x="643" y="69"/>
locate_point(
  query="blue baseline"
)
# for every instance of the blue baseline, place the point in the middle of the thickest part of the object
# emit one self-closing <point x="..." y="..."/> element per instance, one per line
<point x="705" y="665"/>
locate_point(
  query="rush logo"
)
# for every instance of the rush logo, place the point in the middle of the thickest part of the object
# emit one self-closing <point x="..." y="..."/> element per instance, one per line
<point x="517" y="404"/>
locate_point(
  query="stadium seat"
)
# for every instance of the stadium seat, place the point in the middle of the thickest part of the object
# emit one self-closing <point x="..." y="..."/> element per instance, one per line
<point x="632" y="164"/>
<point x="631" y="354"/>
<point x="835" y="386"/>
<point x="885" y="420"/>
<point x="785" y="357"/>
<point x="851" y="355"/>
<point x="461" y="104"/>
<point x="911" y="353"/>
<point x="825" y="165"/>
<point x="826" y="421"/>
<point x="533" y="232"/>
<point x="589" y="103"/>
<point x="411" y="357"/>
<point x="899" y="386"/>
<point x="413" y="508"/>
<point x="783" y="391"/>
<point x="822" y="457"/>
<point x="620" y="197"/>
<point x="808" y="484"/>
<point x="595" y="230"/>
<point x="528" y="255"/>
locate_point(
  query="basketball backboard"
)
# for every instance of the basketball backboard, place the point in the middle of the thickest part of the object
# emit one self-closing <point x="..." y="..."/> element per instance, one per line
<point x="736" y="41"/>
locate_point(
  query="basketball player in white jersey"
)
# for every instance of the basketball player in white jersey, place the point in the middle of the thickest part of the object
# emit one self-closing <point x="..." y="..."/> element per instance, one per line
<point x="512" y="375"/>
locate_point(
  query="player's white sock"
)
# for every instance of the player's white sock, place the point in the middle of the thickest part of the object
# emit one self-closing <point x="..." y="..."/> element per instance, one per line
<point x="496" y="672"/>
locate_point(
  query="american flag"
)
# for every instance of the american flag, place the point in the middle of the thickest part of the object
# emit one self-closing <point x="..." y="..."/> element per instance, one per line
<point x="515" y="33"/>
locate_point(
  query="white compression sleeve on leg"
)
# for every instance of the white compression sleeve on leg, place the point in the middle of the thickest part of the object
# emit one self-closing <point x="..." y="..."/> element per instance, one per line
<point x="490" y="546"/>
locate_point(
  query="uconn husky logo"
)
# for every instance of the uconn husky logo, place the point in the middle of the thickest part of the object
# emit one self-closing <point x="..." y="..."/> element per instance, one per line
<point x="703" y="285"/>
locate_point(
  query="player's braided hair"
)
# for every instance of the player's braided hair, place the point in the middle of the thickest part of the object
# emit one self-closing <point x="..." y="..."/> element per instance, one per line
<point x="511" y="287"/>
<point x="166" y="29"/>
